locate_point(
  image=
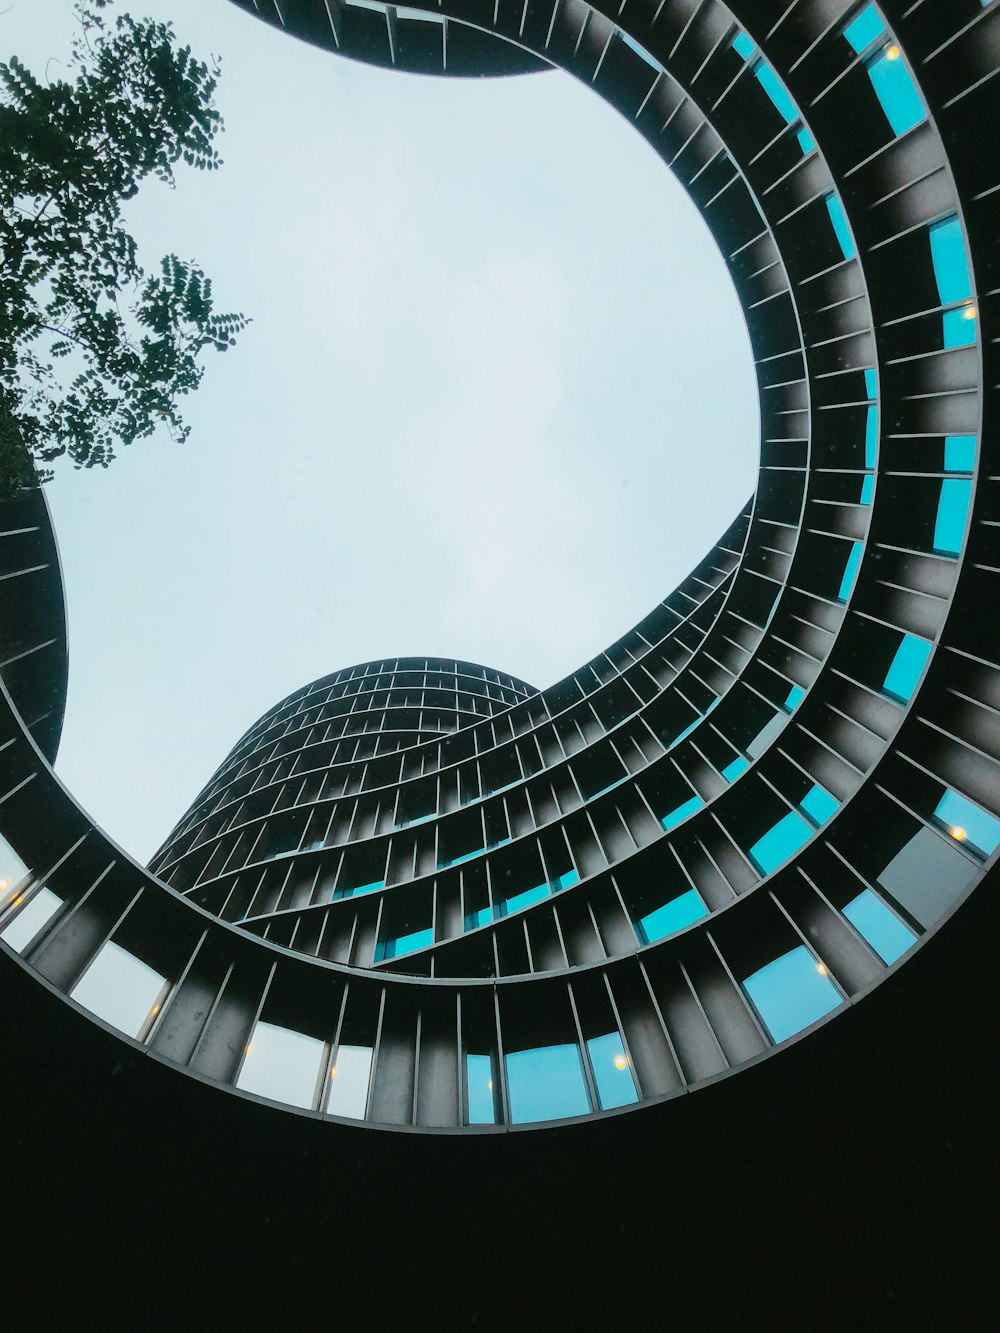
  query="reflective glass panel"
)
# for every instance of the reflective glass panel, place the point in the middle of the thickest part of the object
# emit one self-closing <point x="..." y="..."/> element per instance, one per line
<point x="952" y="513"/>
<point x="795" y="696"/>
<point x="896" y="91"/>
<point x="780" y="842"/>
<point x="850" y="571"/>
<point x="12" y="870"/>
<point x="612" y="1071"/>
<point x="882" y="929"/>
<point x="960" y="453"/>
<point x="865" y="29"/>
<point x="281" y="1064"/>
<point x="401" y="944"/>
<point x="776" y="91"/>
<point x="951" y="269"/>
<point x="672" y="916"/>
<point x="871" y="436"/>
<point x="119" y="989"/>
<point x="675" y="817"/>
<point x="980" y="830"/>
<point x="525" y="899"/>
<point x="791" y="993"/>
<point x="349" y="1082"/>
<point x="840" y="228"/>
<point x="22" y="929"/>
<point x="743" y="45"/>
<point x="546" y="1084"/>
<point x="818" y="804"/>
<point x="733" y="770"/>
<point x="904" y="671"/>
<point x="479" y="1081"/>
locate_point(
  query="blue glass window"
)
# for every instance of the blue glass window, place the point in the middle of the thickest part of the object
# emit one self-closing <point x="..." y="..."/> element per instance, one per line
<point x="791" y="993"/>
<point x="906" y="667"/>
<point x="682" y="812"/>
<point x="795" y="696"/>
<point x="641" y="51"/>
<point x="806" y="142"/>
<point x="871" y="436"/>
<point x="686" y="732"/>
<point x="743" y="45"/>
<point x="481" y="917"/>
<point x="349" y="1079"/>
<point x="671" y="917"/>
<point x="818" y="804"/>
<point x="954" y="284"/>
<point x="952" y="513"/>
<point x="780" y="842"/>
<point x="525" y="899"/>
<point x="882" y="929"/>
<point x="776" y="91"/>
<point x="867" y="490"/>
<point x="850" y="571"/>
<point x="395" y="948"/>
<point x="733" y="770"/>
<point x="612" y="1071"/>
<point x="841" y="230"/>
<point x="281" y="1064"/>
<point x="359" y="889"/>
<point x="565" y="881"/>
<point x="968" y="822"/>
<point x="121" y="989"/>
<point x="895" y="90"/>
<point x="479" y="1081"/>
<point x="865" y="29"/>
<point x="871" y="383"/>
<point x="960" y="453"/>
<point x="22" y="929"/>
<point x="546" y="1084"/>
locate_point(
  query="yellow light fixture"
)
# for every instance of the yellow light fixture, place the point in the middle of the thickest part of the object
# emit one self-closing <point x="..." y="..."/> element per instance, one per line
<point x="250" y="1049"/>
<point x="490" y="1085"/>
<point x="333" y="1072"/>
<point x="621" y="1062"/>
<point x="18" y="900"/>
<point x="969" y="312"/>
<point x="4" y="883"/>
<point x="892" y="53"/>
<point x="959" y="834"/>
<point x="821" y="969"/>
<point x="154" y="1011"/>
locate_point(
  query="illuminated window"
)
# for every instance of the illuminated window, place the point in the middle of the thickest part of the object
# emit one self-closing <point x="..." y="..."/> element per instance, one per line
<point x="281" y="1064"/>
<point x="880" y="927"/>
<point x="672" y="916"/>
<point x="21" y="929"/>
<point x="479" y="1086"/>
<point x="612" y="1071"/>
<point x="954" y="283"/>
<point x="780" y="842"/>
<point x="682" y="812"/>
<point x="794" y="697"/>
<point x="841" y="230"/>
<point x="403" y="944"/>
<point x="120" y="989"/>
<point x="952" y="514"/>
<point x="349" y="1078"/>
<point x="894" y="87"/>
<point x="546" y="1084"/>
<point x="906" y="667"/>
<point x="734" y="769"/>
<point x="850" y="571"/>
<point x="968" y="823"/>
<point x="791" y="993"/>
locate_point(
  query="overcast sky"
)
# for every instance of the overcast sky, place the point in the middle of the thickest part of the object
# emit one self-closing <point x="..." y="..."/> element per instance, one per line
<point x="496" y="401"/>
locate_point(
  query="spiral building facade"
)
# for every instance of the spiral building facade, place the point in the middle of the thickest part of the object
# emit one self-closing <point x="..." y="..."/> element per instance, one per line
<point x="422" y="895"/>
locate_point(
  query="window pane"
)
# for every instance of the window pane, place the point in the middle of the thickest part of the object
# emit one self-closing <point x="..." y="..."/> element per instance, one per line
<point x="840" y="228"/>
<point x="682" y="812"/>
<point x="960" y="453"/>
<point x="968" y="822"/>
<point x="951" y="269"/>
<point x="776" y="91"/>
<point x="672" y="916"/>
<point x="546" y="1084"/>
<point x="119" y="989"/>
<point x="953" y="510"/>
<point x="281" y="1064"/>
<point x="865" y="29"/>
<point x="23" y="928"/>
<point x="479" y="1080"/>
<point x="791" y="993"/>
<point x="612" y="1071"/>
<point x="904" y="671"/>
<point x="12" y="870"/>
<point x="780" y="842"/>
<point x="402" y="944"/>
<point x="850" y="571"/>
<point x="881" y="928"/>
<point x="525" y="899"/>
<point x="818" y="804"/>
<point x="896" y="91"/>
<point x="349" y="1082"/>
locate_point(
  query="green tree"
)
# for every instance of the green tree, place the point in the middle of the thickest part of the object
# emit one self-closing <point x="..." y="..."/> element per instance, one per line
<point x="93" y="350"/>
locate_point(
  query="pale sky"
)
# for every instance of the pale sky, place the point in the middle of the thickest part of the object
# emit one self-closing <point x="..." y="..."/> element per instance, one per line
<point x="496" y="401"/>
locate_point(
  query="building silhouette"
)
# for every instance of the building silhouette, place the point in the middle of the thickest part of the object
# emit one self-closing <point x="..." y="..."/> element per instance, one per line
<point x="667" y="987"/>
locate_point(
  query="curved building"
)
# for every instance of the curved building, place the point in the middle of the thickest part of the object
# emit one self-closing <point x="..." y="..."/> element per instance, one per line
<point x="422" y="895"/>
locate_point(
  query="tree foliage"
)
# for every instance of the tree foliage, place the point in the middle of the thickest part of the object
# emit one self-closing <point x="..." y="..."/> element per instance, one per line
<point x="95" y="351"/>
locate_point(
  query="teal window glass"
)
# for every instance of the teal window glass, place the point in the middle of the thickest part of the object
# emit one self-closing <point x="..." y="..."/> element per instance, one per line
<point x="610" y="787"/>
<point x="525" y="899"/>
<point x="546" y="1084"/>
<point x="686" y="732"/>
<point x="479" y="1083"/>
<point x="360" y="889"/>
<point x="806" y="142"/>
<point x="960" y="453"/>
<point x="791" y="993"/>
<point x="896" y="91"/>
<point x="865" y="29"/>
<point x="671" y="917"/>
<point x="951" y="269"/>
<point x="906" y="667"/>
<point x="565" y="881"/>
<point x="850" y="571"/>
<point x="795" y="696"/>
<point x="459" y="860"/>
<point x="871" y="383"/>
<point x="640" y="51"/>
<point x="281" y="1064"/>
<point x="12" y="869"/>
<point x="959" y="327"/>
<point x="743" y="45"/>
<point x="402" y="944"/>
<point x="481" y="917"/>
<point x="818" y="804"/>
<point x="776" y="91"/>
<point x="22" y="929"/>
<point x="780" y="842"/>
<point x="867" y="490"/>
<point x="838" y="219"/>
<point x="738" y="766"/>
<point x="871" y="437"/>
<point x="882" y="929"/>
<point x="682" y="812"/>
<point x="612" y="1071"/>
<point x="980" y="830"/>
<point x="952" y="513"/>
